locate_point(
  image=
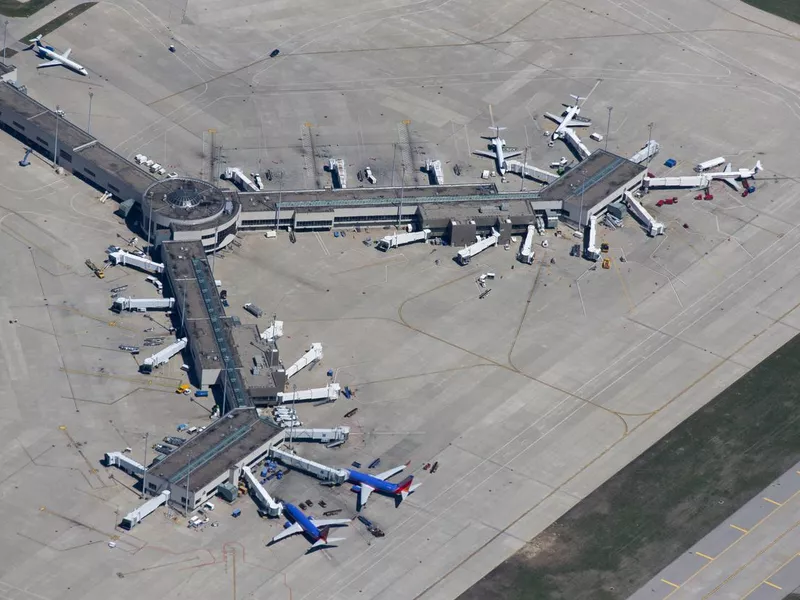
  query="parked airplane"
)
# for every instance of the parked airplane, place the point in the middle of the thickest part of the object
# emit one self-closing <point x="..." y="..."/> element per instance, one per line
<point x="366" y="484"/>
<point x="498" y="155"/>
<point x="316" y="531"/>
<point x="702" y="180"/>
<point x="568" y="118"/>
<point x="56" y="59"/>
<point x="733" y="178"/>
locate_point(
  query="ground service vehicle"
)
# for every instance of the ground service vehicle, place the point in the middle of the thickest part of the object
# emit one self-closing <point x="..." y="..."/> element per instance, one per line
<point x="253" y="310"/>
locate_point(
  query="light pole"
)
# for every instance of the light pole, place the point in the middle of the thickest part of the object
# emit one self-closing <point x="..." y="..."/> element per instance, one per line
<point x="5" y="35"/>
<point x="144" y="480"/>
<point x="649" y="139"/>
<point x="402" y="190"/>
<point x="55" y="151"/>
<point x="89" y="125"/>
<point x="186" y="498"/>
<point x="583" y="189"/>
<point x="294" y="413"/>
<point x="608" y="126"/>
<point x="524" y="166"/>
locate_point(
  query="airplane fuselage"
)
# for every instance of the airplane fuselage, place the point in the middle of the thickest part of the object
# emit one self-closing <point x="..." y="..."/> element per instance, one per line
<point x="307" y="524"/>
<point x="379" y="485"/>
<point x="572" y="111"/>
<point x="500" y="161"/>
<point x="50" y="54"/>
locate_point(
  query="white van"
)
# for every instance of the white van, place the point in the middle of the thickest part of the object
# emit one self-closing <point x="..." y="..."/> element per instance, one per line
<point x="191" y="430"/>
<point x="208" y="506"/>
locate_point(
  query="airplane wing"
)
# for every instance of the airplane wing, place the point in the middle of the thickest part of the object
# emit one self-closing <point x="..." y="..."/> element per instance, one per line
<point x="733" y="183"/>
<point x="291" y="530"/>
<point x="393" y="471"/>
<point x="66" y="54"/>
<point x="512" y="154"/>
<point x="485" y="153"/>
<point x="331" y="522"/>
<point x="50" y="63"/>
<point x="579" y="123"/>
<point x="363" y="494"/>
<point x="553" y="117"/>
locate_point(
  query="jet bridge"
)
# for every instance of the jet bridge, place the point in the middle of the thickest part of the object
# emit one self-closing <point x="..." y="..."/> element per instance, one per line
<point x="531" y="172"/>
<point x="314" y="354"/>
<point x="653" y="227"/>
<point x="126" y="463"/>
<point x="273" y="332"/>
<point x="575" y="144"/>
<point x="465" y="255"/>
<point x="330" y="393"/>
<point x="338" y="172"/>
<point x="325" y="436"/>
<point x="325" y="473"/>
<point x="272" y="508"/>
<point x="526" y="251"/>
<point x="133" y="518"/>
<point x="400" y="239"/>
<point x="692" y="181"/>
<point x="162" y="357"/>
<point x="120" y="257"/>
<point x="242" y="181"/>
<point x="434" y="169"/>
<point x="592" y="252"/>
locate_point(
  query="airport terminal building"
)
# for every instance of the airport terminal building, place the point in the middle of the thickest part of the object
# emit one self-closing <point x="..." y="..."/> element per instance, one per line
<point x="185" y="209"/>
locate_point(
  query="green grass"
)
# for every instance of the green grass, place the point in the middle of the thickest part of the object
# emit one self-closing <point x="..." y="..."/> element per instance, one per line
<point x="657" y="507"/>
<point x="12" y="8"/>
<point x="51" y="25"/>
<point x="788" y="9"/>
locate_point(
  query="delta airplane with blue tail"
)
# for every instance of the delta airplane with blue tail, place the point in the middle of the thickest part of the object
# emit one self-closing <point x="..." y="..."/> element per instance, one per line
<point x="56" y="59"/>
<point x="366" y="484"/>
<point x="315" y="530"/>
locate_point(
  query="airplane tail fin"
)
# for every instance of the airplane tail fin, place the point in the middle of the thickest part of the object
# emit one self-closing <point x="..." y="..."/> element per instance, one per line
<point x="409" y="491"/>
<point x="405" y="487"/>
<point x="35" y="40"/>
<point x="758" y="168"/>
<point x="324" y="540"/>
<point x="496" y="128"/>
<point x="577" y="99"/>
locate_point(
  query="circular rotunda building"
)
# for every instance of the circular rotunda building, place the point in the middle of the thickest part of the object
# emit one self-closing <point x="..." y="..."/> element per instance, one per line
<point x="183" y="208"/>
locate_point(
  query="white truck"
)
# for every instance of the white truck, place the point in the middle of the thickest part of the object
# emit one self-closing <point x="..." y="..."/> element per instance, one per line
<point x="253" y="310"/>
<point x="709" y="164"/>
<point x="142" y="304"/>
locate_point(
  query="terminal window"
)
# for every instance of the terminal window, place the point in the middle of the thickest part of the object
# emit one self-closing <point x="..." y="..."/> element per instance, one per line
<point x="66" y="156"/>
<point x="18" y="126"/>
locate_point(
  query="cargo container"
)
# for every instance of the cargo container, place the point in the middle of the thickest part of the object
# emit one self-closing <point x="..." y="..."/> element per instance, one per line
<point x="253" y="310"/>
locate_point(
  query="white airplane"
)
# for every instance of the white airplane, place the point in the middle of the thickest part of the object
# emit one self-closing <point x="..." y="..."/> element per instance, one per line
<point x="702" y="180"/>
<point x="733" y="178"/>
<point x="568" y="118"/>
<point x="498" y="155"/>
<point x="56" y="59"/>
